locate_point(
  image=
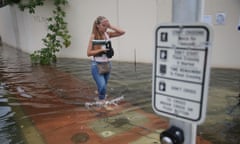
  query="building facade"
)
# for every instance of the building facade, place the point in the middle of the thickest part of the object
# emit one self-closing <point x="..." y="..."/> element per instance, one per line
<point x="139" y="18"/>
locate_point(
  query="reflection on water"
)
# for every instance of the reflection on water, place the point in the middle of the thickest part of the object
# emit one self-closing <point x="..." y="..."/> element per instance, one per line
<point x="126" y="79"/>
<point x="222" y="123"/>
<point x="9" y="130"/>
<point x="28" y="89"/>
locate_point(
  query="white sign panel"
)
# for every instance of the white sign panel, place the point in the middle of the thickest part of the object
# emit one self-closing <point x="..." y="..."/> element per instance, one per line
<point x="181" y="71"/>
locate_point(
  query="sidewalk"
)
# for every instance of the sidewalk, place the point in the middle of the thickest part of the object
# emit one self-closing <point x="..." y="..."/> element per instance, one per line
<point x="60" y="116"/>
<point x="49" y="105"/>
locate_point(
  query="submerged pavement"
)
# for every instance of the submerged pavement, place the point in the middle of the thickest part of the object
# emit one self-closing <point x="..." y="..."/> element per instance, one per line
<point x="60" y="116"/>
<point x="50" y="108"/>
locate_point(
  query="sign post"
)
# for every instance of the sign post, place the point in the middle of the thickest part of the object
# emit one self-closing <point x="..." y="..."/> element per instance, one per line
<point x="181" y="72"/>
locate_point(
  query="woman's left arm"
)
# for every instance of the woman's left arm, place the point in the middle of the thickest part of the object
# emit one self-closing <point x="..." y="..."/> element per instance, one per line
<point x="115" y="31"/>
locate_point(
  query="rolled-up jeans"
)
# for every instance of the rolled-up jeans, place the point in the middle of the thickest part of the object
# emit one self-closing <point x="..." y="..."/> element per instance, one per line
<point x="100" y="79"/>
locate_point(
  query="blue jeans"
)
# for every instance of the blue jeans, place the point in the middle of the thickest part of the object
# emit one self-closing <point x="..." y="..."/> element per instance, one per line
<point x="100" y="79"/>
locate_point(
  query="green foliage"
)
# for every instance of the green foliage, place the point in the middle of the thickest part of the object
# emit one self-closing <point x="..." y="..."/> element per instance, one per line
<point x="58" y="35"/>
<point x="30" y="5"/>
<point x="12" y="1"/>
<point x="27" y="4"/>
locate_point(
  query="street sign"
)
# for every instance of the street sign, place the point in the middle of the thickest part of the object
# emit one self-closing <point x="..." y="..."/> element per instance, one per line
<point x="181" y="71"/>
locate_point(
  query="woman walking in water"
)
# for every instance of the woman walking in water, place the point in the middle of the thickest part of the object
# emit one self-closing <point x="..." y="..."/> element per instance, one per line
<point x="102" y="30"/>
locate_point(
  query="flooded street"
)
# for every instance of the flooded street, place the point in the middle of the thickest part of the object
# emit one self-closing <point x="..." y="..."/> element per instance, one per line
<point x="46" y="104"/>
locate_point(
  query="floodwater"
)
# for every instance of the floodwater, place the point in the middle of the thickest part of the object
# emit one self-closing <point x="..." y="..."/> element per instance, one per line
<point x="30" y="95"/>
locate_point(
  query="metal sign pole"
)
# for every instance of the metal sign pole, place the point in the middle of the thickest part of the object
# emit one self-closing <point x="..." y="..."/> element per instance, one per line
<point x="181" y="71"/>
<point x="180" y="78"/>
<point x="186" y="11"/>
<point x="189" y="130"/>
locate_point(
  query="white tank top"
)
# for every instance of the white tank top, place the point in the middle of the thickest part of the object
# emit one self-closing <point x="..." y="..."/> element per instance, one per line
<point x="103" y="57"/>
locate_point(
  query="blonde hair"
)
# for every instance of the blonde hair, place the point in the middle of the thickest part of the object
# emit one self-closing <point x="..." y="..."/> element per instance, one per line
<point x="95" y="30"/>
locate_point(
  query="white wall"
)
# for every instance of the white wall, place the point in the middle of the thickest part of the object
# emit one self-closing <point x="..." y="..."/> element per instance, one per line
<point x="80" y="17"/>
<point x="138" y="17"/>
<point x="23" y="30"/>
<point x="7" y="29"/>
<point x="226" y="46"/>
